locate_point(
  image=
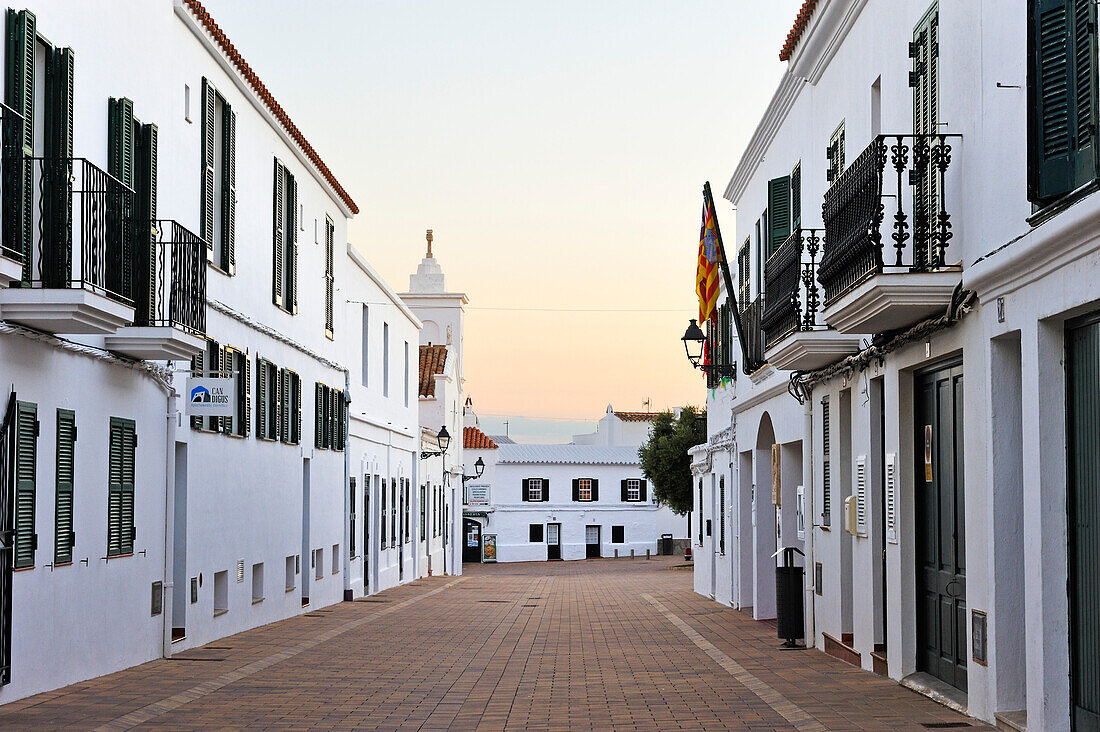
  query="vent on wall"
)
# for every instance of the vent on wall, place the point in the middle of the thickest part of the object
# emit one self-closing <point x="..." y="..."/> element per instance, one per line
<point x="861" y="495"/>
<point x="891" y="498"/>
<point x="240" y="570"/>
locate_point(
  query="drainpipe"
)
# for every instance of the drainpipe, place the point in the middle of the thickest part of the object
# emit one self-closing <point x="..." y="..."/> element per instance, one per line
<point x="808" y="516"/>
<point x="347" y="487"/>
<point x="167" y="601"/>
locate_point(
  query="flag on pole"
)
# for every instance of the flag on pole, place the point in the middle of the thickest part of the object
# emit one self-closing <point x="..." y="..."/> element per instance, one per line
<point x="706" y="274"/>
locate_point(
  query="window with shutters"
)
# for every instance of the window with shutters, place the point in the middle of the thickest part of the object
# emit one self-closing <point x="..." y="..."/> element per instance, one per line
<point x="423" y="513"/>
<point x="779" y="212"/>
<point x="284" y="239"/>
<point x="534" y="489"/>
<point x="291" y="417"/>
<point x="835" y="154"/>
<point x="268" y="400"/>
<point x="122" y="444"/>
<point x="796" y="197"/>
<point x="214" y="361"/>
<point x="633" y="489"/>
<point x="218" y="192"/>
<point x="382" y="534"/>
<point x="534" y="533"/>
<point x="351" y="517"/>
<point x="826" y="471"/>
<point x="405" y="494"/>
<point x="1062" y="96"/>
<point x="64" y="532"/>
<point x="393" y="512"/>
<point x="241" y="366"/>
<point x="584" y="489"/>
<point x="618" y="534"/>
<point x="743" y="273"/>
<point x="330" y="243"/>
<point x="26" y="480"/>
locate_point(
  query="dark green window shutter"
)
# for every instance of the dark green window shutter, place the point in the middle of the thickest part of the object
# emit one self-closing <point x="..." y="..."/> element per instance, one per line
<point x="229" y="190"/>
<point x="242" y="367"/>
<point x="209" y="140"/>
<point x="526" y="491"/>
<point x="19" y="95"/>
<point x="196" y="370"/>
<point x="120" y="500"/>
<point x="319" y="417"/>
<point x="595" y="489"/>
<point x="284" y="405"/>
<point x="56" y="188"/>
<point x="622" y="490"/>
<point x="796" y="197"/>
<point x="292" y="186"/>
<point x="545" y="490"/>
<point x="297" y="409"/>
<point x="327" y="418"/>
<point x="779" y="212"/>
<point x="225" y="366"/>
<point x="330" y="236"/>
<point x="26" y="458"/>
<point x="278" y="248"/>
<point x="642" y="496"/>
<point x="64" y="536"/>
<point x="145" y="239"/>
<point x="261" y="398"/>
<point x="120" y="139"/>
<point x="1085" y="109"/>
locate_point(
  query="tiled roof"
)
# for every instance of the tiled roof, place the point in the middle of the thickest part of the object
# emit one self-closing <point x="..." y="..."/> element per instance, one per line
<point x="432" y="361"/>
<point x="266" y="97"/>
<point x="568" y="454"/>
<point x="636" y="416"/>
<point x="475" y="439"/>
<point x="800" y="23"/>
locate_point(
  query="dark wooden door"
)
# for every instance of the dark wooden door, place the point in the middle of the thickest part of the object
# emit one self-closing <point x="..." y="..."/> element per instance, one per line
<point x="940" y="521"/>
<point x="471" y="541"/>
<point x="366" y="534"/>
<point x="591" y="542"/>
<point x="553" y="541"/>
<point x="7" y="535"/>
<point x="1083" y="503"/>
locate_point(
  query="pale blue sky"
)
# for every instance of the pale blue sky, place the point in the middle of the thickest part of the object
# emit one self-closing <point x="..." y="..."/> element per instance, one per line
<point x="558" y="150"/>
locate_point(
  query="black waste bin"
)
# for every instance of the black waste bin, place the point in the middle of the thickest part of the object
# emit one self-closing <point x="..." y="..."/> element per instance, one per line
<point x="789" y="598"/>
<point x="666" y="544"/>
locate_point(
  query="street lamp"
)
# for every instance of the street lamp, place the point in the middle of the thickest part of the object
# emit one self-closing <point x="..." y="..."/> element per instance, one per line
<point x="444" y="440"/>
<point x="479" y="468"/>
<point x="695" y="344"/>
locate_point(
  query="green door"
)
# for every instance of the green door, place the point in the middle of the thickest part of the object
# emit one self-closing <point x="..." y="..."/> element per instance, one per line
<point x="1083" y="502"/>
<point x="941" y="539"/>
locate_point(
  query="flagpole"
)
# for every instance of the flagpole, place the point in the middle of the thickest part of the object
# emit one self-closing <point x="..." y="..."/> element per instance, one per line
<point x="731" y="297"/>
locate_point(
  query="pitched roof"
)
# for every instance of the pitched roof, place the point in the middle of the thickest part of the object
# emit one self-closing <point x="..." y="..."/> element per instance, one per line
<point x="502" y="439"/>
<point x="432" y="361"/>
<point x="267" y="98"/>
<point x="636" y="416"/>
<point x="568" y="454"/>
<point x="800" y="22"/>
<point x="475" y="439"/>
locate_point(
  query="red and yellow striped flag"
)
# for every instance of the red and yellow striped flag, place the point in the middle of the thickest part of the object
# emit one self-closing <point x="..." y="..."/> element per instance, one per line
<point x="706" y="274"/>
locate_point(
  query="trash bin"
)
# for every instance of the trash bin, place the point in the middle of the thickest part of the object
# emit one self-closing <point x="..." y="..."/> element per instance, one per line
<point x="789" y="598"/>
<point x="666" y="544"/>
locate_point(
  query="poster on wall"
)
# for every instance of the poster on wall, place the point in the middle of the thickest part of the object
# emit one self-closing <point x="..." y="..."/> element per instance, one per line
<point x="489" y="548"/>
<point x="211" y="397"/>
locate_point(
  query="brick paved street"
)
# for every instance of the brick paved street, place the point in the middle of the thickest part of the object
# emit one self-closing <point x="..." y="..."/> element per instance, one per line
<point x="597" y="644"/>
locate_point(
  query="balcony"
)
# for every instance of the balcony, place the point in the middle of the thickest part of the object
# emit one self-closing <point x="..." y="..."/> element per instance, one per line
<point x="751" y="314"/>
<point x="795" y="336"/>
<point x="169" y="298"/>
<point x="867" y="287"/>
<point x="68" y="225"/>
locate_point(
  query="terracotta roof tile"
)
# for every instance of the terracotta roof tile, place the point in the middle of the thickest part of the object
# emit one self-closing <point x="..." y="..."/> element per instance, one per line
<point x="475" y="439"/>
<point x="800" y="22"/>
<point x="266" y="97"/>
<point x="432" y="361"/>
<point x="636" y="416"/>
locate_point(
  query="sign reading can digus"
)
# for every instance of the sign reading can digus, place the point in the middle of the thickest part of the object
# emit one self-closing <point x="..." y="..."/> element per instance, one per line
<point x="210" y="397"/>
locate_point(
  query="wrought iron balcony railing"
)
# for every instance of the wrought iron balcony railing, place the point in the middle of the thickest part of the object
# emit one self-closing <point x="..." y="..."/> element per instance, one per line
<point x="854" y="212"/>
<point x="171" y="280"/>
<point x="790" y="280"/>
<point x="80" y="228"/>
<point x="751" y="315"/>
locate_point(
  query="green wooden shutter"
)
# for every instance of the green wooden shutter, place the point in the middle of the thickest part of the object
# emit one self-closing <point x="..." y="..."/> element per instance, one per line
<point x="245" y="380"/>
<point x="225" y="367"/>
<point x="278" y="249"/>
<point x="796" y="197"/>
<point x="1085" y="92"/>
<point x="284" y="405"/>
<point x="120" y="139"/>
<point x="56" y="184"/>
<point x="261" y="398"/>
<point x="196" y="370"/>
<point x="19" y="94"/>
<point x="297" y="409"/>
<point x="64" y="537"/>
<point x="128" y="445"/>
<point x="326" y="417"/>
<point x="779" y="212"/>
<point x="116" y="448"/>
<point x="1051" y="92"/>
<point x="642" y="495"/>
<point x="229" y="190"/>
<point x="293" y="190"/>
<point x="330" y="235"/>
<point x="318" y="415"/>
<point x="26" y="458"/>
<point x="145" y="238"/>
<point x="209" y="140"/>
<point x="924" y="79"/>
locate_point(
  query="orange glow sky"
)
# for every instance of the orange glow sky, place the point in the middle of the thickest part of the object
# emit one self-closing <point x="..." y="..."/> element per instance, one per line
<point x="557" y="149"/>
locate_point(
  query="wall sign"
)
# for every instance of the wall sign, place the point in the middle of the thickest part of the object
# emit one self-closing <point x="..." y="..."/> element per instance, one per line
<point x="477" y="494"/>
<point x="489" y="548"/>
<point x="211" y="397"/>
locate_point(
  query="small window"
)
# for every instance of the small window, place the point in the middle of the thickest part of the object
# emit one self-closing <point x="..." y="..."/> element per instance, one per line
<point x="291" y="571"/>
<point x="221" y="593"/>
<point x="534" y="489"/>
<point x="257" y="582"/>
<point x="335" y="558"/>
<point x="617" y="533"/>
<point x="536" y="534"/>
<point x="318" y="563"/>
<point x="633" y="489"/>
<point x="584" y="489"/>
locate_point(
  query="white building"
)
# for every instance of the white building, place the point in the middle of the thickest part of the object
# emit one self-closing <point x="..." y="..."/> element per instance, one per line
<point x="586" y="499"/>
<point x="957" y="555"/>
<point x="164" y="205"/>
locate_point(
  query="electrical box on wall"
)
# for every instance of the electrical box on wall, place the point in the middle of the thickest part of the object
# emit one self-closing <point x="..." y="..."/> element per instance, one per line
<point x="851" y="518"/>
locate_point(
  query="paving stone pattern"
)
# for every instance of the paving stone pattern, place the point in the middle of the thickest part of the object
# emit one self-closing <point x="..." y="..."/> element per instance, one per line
<point x="595" y="644"/>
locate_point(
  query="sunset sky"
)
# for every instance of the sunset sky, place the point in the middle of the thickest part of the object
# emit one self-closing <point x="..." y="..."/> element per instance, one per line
<point x="558" y="150"/>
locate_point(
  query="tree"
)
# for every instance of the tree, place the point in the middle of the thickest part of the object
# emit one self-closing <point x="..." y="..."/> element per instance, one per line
<point x="665" y="459"/>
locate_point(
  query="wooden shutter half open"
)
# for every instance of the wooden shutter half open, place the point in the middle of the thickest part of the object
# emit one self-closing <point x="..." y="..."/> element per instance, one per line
<point x="779" y="212"/>
<point x="209" y="140"/>
<point x="64" y="537"/>
<point x="20" y="85"/>
<point x="229" y="190"/>
<point x="278" y="250"/>
<point x="26" y="459"/>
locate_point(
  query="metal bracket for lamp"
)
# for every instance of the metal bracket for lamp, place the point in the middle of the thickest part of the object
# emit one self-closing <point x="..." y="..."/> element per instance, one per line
<point x="444" y="440"/>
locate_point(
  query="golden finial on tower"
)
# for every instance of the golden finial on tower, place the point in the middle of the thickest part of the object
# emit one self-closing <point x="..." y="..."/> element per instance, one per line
<point x="429" y="237"/>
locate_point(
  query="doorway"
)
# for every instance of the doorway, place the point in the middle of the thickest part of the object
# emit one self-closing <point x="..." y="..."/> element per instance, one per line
<point x="471" y="547"/>
<point x="591" y="542"/>
<point x="366" y="534"/>
<point x="1083" y="504"/>
<point x="941" y="538"/>
<point x="553" y="541"/>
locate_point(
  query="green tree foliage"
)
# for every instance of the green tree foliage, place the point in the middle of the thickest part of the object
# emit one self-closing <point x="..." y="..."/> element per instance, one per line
<point x="665" y="459"/>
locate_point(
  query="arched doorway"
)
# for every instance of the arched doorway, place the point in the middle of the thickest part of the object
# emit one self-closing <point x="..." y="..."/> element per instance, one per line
<point x="471" y="541"/>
